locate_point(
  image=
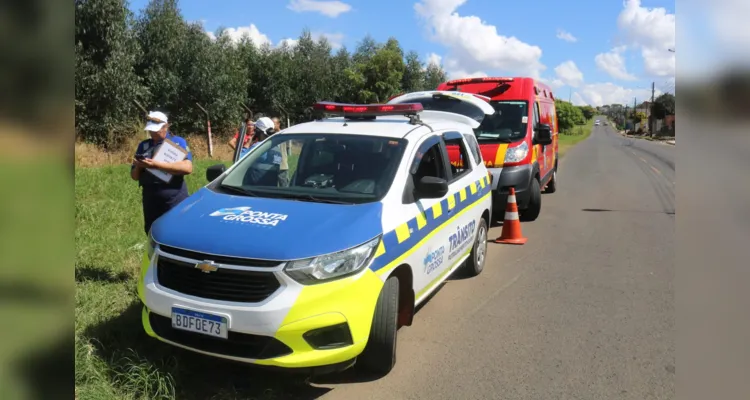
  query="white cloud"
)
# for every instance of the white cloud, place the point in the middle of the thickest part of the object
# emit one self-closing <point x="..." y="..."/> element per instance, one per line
<point x="289" y="42"/>
<point x="599" y="94"/>
<point x="553" y="83"/>
<point x="474" y="45"/>
<point x="328" y="8"/>
<point x="653" y="31"/>
<point x="566" y="36"/>
<point x="577" y="100"/>
<point x="613" y="64"/>
<point x="454" y="70"/>
<point x="569" y="74"/>
<point x="336" y="40"/>
<point x="433" y="58"/>
<point x="252" y="31"/>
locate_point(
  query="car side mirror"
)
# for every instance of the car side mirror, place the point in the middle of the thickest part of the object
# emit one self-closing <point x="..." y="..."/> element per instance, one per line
<point x="431" y="187"/>
<point x="543" y="134"/>
<point x="215" y="171"/>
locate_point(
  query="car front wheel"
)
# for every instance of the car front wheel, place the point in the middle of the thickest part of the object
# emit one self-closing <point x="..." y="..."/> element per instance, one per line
<point x="379" y="355"/>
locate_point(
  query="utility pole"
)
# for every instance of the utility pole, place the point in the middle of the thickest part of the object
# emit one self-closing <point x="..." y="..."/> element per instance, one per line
<point x="570" y="95"/>
<point x="651" y="120"/>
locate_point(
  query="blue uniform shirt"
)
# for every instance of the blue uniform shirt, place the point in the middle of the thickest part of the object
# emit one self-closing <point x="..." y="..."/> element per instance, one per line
<point x="155" y="186"/>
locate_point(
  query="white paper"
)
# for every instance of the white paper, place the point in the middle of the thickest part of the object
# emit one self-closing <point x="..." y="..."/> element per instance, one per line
<point x="525" y="119"/>
<point x="168" y="152"/>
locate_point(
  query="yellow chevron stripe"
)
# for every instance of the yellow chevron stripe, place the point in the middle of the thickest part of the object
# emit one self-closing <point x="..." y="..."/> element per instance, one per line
<point x="500" y="155"/>
<point x="462" y="194"/>
<point x="451" y="201"/>
<point x="421" y="221"/>
<point x="473" y="187"/>
<point x="402" y="232"/>
<point x="437" y="210"/>
<point x="381" y="250"/>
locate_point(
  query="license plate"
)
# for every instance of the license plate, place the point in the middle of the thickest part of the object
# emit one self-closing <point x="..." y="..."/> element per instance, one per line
<point x="199" y="322"/>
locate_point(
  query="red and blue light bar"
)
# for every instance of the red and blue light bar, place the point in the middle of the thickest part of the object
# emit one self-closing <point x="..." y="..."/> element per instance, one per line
<point x="368" y="109"/>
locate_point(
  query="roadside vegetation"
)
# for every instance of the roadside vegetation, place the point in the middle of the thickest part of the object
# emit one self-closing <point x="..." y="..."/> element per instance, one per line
<point x="573" y="136"/>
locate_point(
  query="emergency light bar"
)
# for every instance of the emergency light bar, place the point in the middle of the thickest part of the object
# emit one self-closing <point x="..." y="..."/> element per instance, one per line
<point x="464" y="81"/>
<point x="368" y="109"/>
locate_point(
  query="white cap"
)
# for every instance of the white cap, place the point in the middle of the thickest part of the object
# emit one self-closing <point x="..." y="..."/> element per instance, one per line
<point x="156" y="120"/>
<point x="264" y="124"/>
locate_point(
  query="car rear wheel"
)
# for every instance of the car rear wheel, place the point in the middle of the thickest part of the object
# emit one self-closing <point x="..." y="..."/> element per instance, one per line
<point x="552" y="184"/>
<point x="379" y="355"/>
<point x="535" y="202"/>
<point x="475" y="263"/>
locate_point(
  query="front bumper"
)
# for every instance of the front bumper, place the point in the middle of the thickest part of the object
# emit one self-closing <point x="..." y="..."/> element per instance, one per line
<point x="270" y="332"/>
<point x="518" y="177"/>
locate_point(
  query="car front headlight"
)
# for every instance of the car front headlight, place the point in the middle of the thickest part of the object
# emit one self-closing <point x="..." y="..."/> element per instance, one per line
<point x="516" y="154"/>
<point x="333" y="266"/>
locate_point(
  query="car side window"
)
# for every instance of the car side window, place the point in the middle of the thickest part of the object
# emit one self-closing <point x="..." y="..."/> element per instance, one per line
<point x="474" y="148"/>
<point x="429" y="161"/>
<point x="458" y="155"/>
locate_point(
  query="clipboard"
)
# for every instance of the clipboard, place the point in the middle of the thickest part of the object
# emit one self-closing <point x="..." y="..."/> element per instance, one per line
<point x="168" y="151"/>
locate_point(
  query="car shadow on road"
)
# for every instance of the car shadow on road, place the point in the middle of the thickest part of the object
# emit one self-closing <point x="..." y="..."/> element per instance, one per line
<point x="137" y="361"/>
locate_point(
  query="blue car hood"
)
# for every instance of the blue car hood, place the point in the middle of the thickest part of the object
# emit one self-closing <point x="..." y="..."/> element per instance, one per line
<point x="264" y="228"/>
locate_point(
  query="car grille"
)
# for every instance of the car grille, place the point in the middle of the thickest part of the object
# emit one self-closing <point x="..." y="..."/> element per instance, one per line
<point x="236" y="345"/>
<point x="194" y="255"/>
<point x="223" y="284"/>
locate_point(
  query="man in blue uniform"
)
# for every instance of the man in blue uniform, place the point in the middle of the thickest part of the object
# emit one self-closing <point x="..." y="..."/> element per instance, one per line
<point x="160" y="196"/>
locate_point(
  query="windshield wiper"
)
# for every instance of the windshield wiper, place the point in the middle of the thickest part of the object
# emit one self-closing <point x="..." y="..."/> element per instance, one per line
<point x="239" y="190"/>
<point x="309" y="197"/>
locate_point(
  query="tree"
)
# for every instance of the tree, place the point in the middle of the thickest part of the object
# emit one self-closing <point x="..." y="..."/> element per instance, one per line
<point x="169" y="64"/>
<point x="588" y="112"/>
<point x="434" y="76"/>
<point x="663" y="105"/>
<point x="106" y="83"/>
<point x="568" y="115"/>
<point x="637" y="117"/>
<point x="414" y="74"/>
<point x="161" y="32"/>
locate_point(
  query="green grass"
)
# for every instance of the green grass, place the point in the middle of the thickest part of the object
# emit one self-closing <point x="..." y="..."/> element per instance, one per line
<point x="114" y="358"/>
<point x="577" y="134"/>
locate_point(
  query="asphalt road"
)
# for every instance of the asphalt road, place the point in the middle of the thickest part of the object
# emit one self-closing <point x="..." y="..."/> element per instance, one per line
<point x="584" y="310"/>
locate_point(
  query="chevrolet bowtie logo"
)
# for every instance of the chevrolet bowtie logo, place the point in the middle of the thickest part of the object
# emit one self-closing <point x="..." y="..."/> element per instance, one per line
<point x="207" y="266"/>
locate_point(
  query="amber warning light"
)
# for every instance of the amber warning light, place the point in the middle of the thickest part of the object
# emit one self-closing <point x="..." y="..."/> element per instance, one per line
<point x="368" y="109"/>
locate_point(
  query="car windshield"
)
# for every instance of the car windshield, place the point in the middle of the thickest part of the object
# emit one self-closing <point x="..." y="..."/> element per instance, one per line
<point x="325" y="168"/>
<point x="507" y="124"/>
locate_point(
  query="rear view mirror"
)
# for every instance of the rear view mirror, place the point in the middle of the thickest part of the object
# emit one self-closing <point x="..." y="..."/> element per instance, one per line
<point x="215" y="171"/>
<point x="431" y="187"/>
<point x="543" y="134"/>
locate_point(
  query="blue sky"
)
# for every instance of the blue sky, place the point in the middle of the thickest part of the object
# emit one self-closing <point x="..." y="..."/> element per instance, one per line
<point x="475" y="37"/>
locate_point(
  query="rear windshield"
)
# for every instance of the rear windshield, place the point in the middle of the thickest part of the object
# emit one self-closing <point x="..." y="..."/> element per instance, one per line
<point x="507" y="124"/>
<point x="326" y="168"/>
<point x="453" y="105"/>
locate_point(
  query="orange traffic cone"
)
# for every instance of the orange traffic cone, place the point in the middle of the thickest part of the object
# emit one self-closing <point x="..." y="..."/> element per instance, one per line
<point x="511" y="225"/>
